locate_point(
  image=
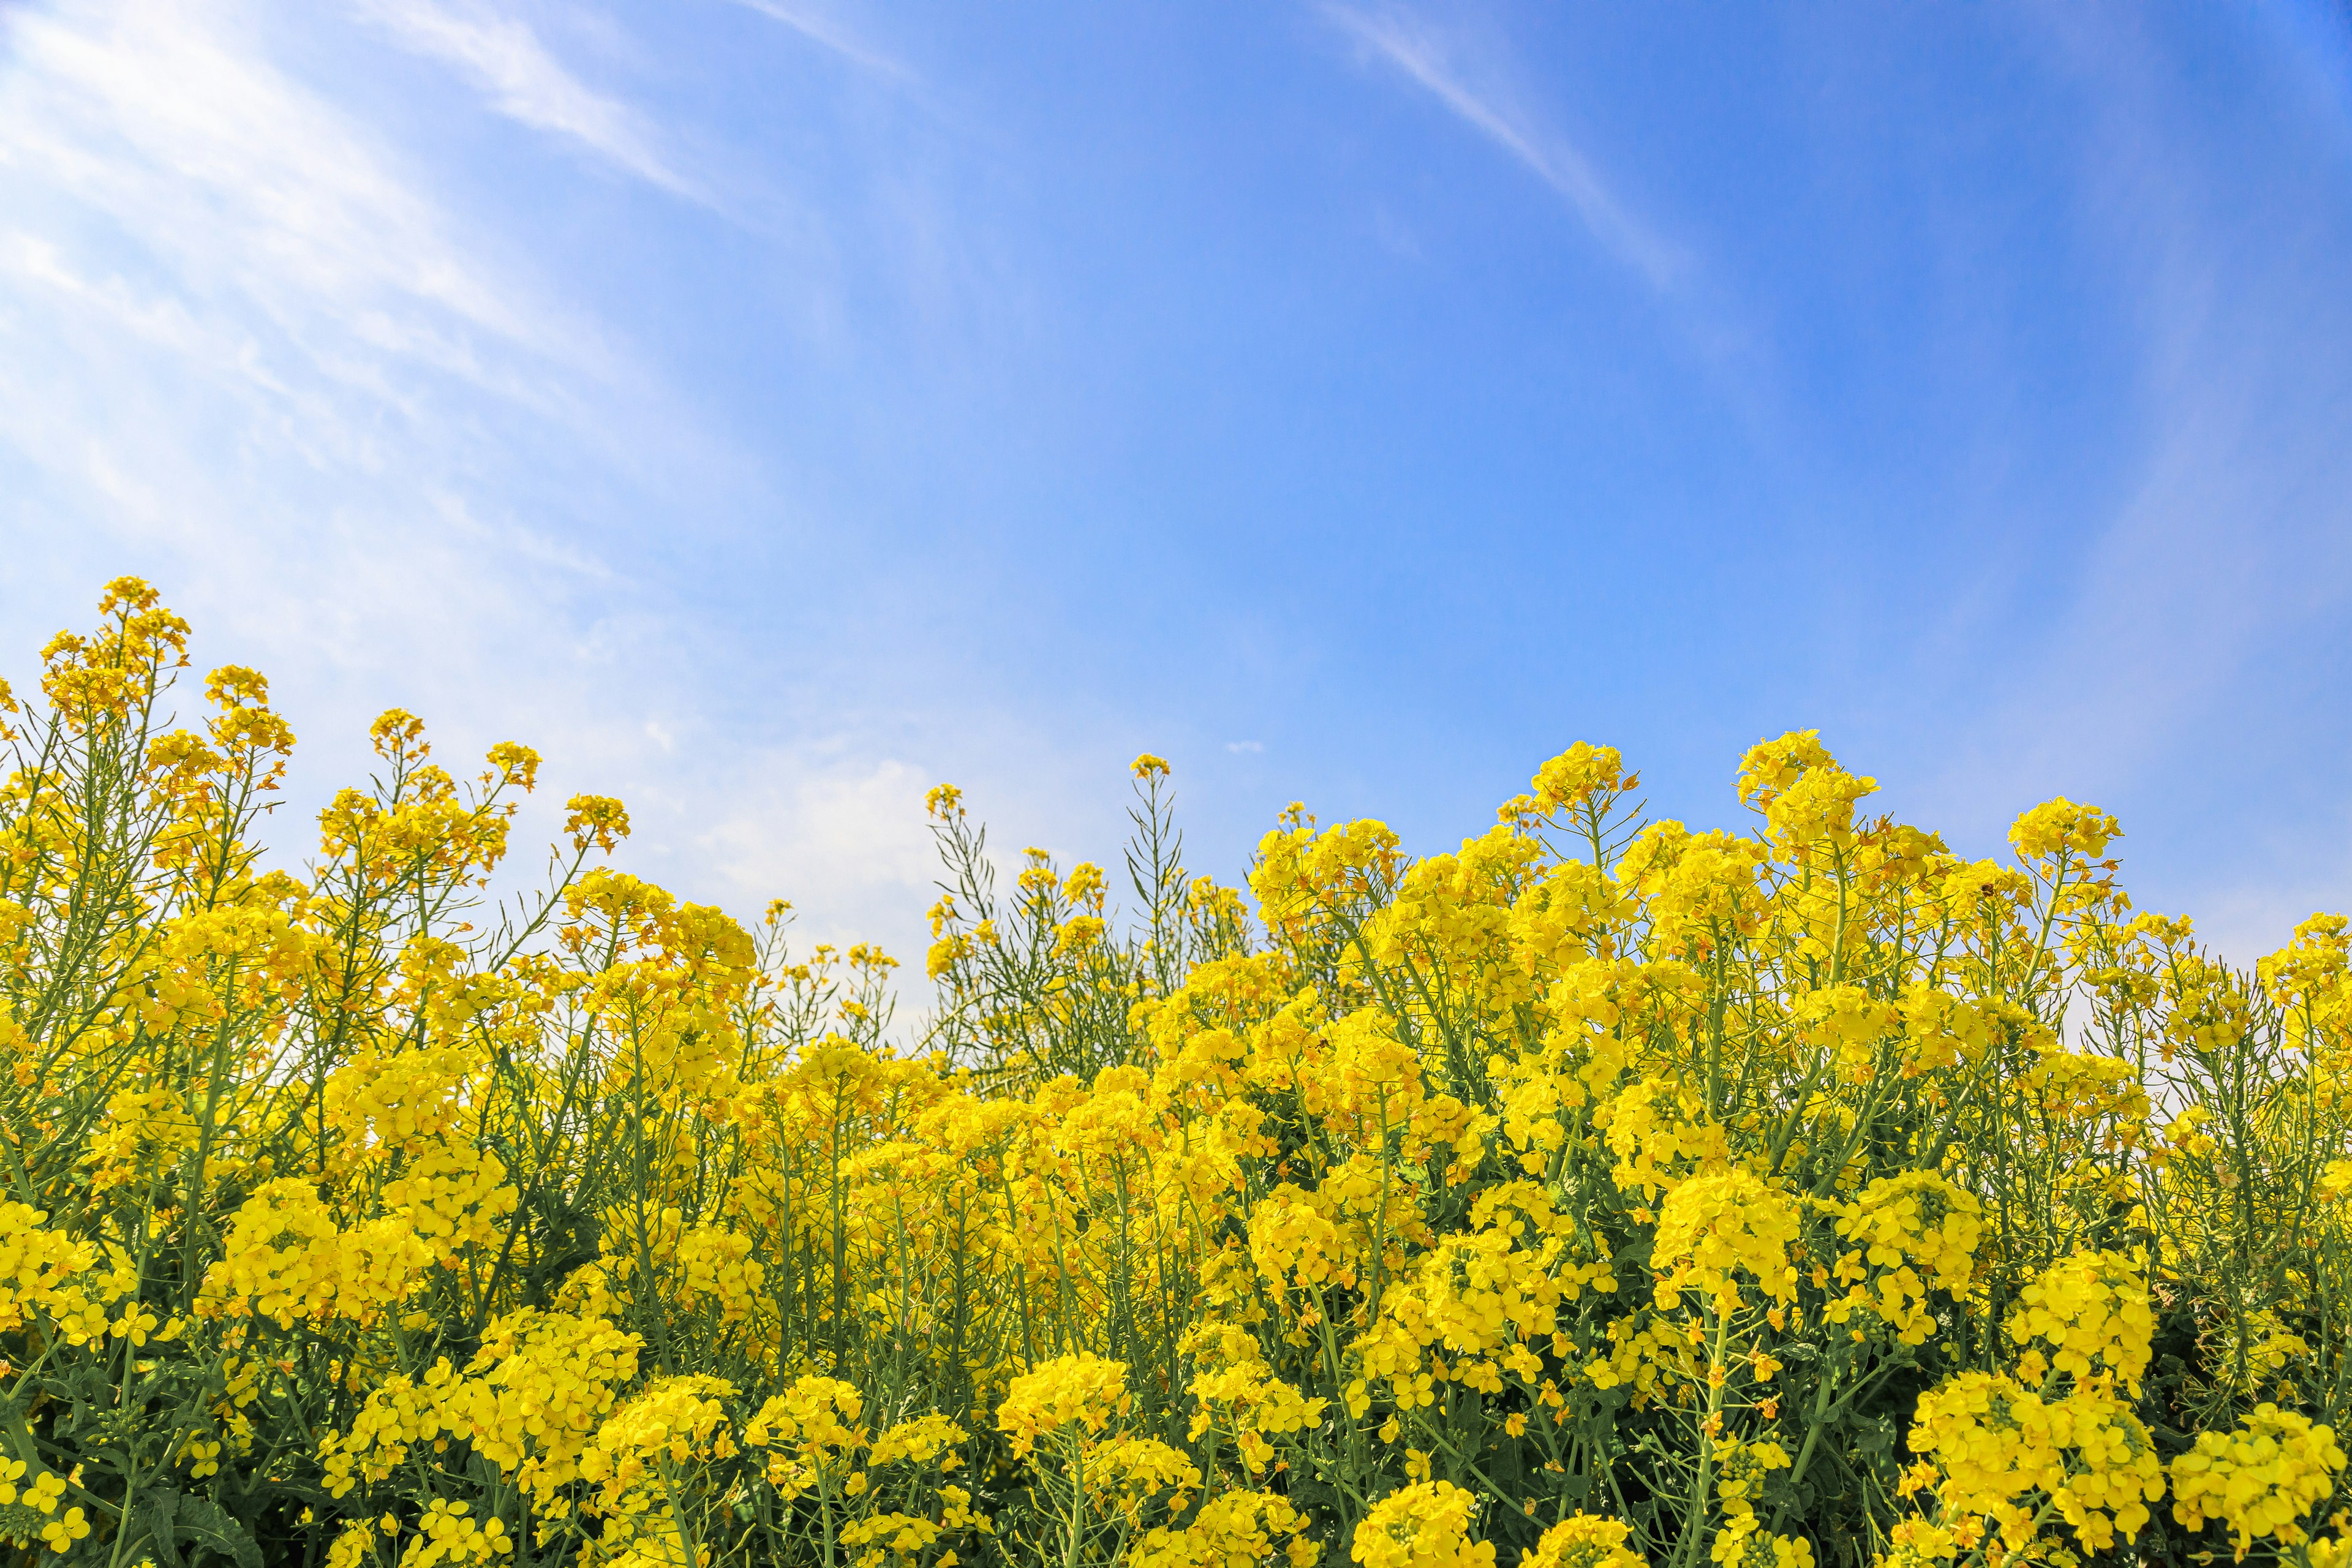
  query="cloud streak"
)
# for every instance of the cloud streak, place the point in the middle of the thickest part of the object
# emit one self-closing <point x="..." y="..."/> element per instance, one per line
<point x="824" y="31"/>
<point x="2222" y="572"/>
<point x="250" y="349"/>
<point x="526" y="83"/>
<point x="245" y="350"/>
<point x="1425" y="58"/>
<point x="201" y="152"/>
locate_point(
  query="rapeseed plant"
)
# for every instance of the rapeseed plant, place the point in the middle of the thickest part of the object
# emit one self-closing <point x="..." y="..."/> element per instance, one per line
<point x="1601" y="1193"/>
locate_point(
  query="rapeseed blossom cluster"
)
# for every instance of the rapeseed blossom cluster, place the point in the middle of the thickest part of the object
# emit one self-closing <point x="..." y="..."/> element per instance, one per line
<point x="1584" y="1540"/>
<point x="2262" y="1480"/>
<point x="1426" y="1525"/>
<point x="1603" y="1193"/>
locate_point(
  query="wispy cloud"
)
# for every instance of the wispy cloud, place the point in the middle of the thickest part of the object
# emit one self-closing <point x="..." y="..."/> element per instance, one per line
<point x="803" y="818"/>
<point x="2220" y="578"/>
<point x="1429" y="59"/>
<point x="525" y="83"/>
<point x="251" y="348"/>
<point x="246" y="351"/>
<point x="822" y="29"/>
<point x="208" y="159"/>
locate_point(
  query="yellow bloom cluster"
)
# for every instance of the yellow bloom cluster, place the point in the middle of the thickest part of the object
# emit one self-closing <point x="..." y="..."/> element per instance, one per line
<point x="1249" y="1402"/>
<point x="2013" y="1460"/>
<point x="1598" y="1192"/>
<point x="532" y="1402"/>
<point x="29" y="1512"/>
<point x="1715" y="1228"/>
<point x="1235" y="1528"/>
<point x="1423" y="1526"/>
<point x="1585" y="1540"/>
<point x="48" y="1278"/>
<point x="2088" y="1317"/>
<point x="2262" y="1480"/>
<point x="1910" y="1235"/>
<point x="1081" y="1390"/>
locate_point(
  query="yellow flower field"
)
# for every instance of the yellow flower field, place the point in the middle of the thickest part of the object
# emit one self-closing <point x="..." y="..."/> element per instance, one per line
<point x="1602" y="1194"/>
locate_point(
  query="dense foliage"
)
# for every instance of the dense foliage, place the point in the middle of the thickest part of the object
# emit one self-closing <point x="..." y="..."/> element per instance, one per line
<point x="1600" y="1194"/>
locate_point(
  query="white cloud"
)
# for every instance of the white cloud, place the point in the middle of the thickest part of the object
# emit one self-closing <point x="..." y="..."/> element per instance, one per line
<point x="1431" y="59"/>
<point x="208" y="167"/>
<point x="254" y="346"/>
<point x="842" y="836"/>
<point x="251" y="350"/>
<point x="526" y="83"/>
<point x="819" y="28"/>
<point x="245" y="350"/>
<point x="2223" y="560"/>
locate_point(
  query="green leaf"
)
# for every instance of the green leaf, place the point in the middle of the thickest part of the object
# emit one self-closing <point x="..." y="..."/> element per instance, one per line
<point x="157" y="1514"/>
<point x="202" y="1522"/>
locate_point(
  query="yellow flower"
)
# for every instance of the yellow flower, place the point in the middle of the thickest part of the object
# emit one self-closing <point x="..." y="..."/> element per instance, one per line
<point x="2059" y="827"/>
<point x="1422" y="1526"/>
<point x="1083" y="1391"/>
<point x="2262" y="1479"/>
<point x="1714" y="1229"/>
<point x="2086" y="1315"/>
<point x="1910" y="1235"/>
<point x="1582" y="774"/>
<point x="1584" y="1540"/>
<point x="595" y="819"/>
<point x="2000" y="1447"/>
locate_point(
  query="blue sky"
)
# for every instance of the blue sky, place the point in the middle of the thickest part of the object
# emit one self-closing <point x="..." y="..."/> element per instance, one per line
<point x="769" y="408"/>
